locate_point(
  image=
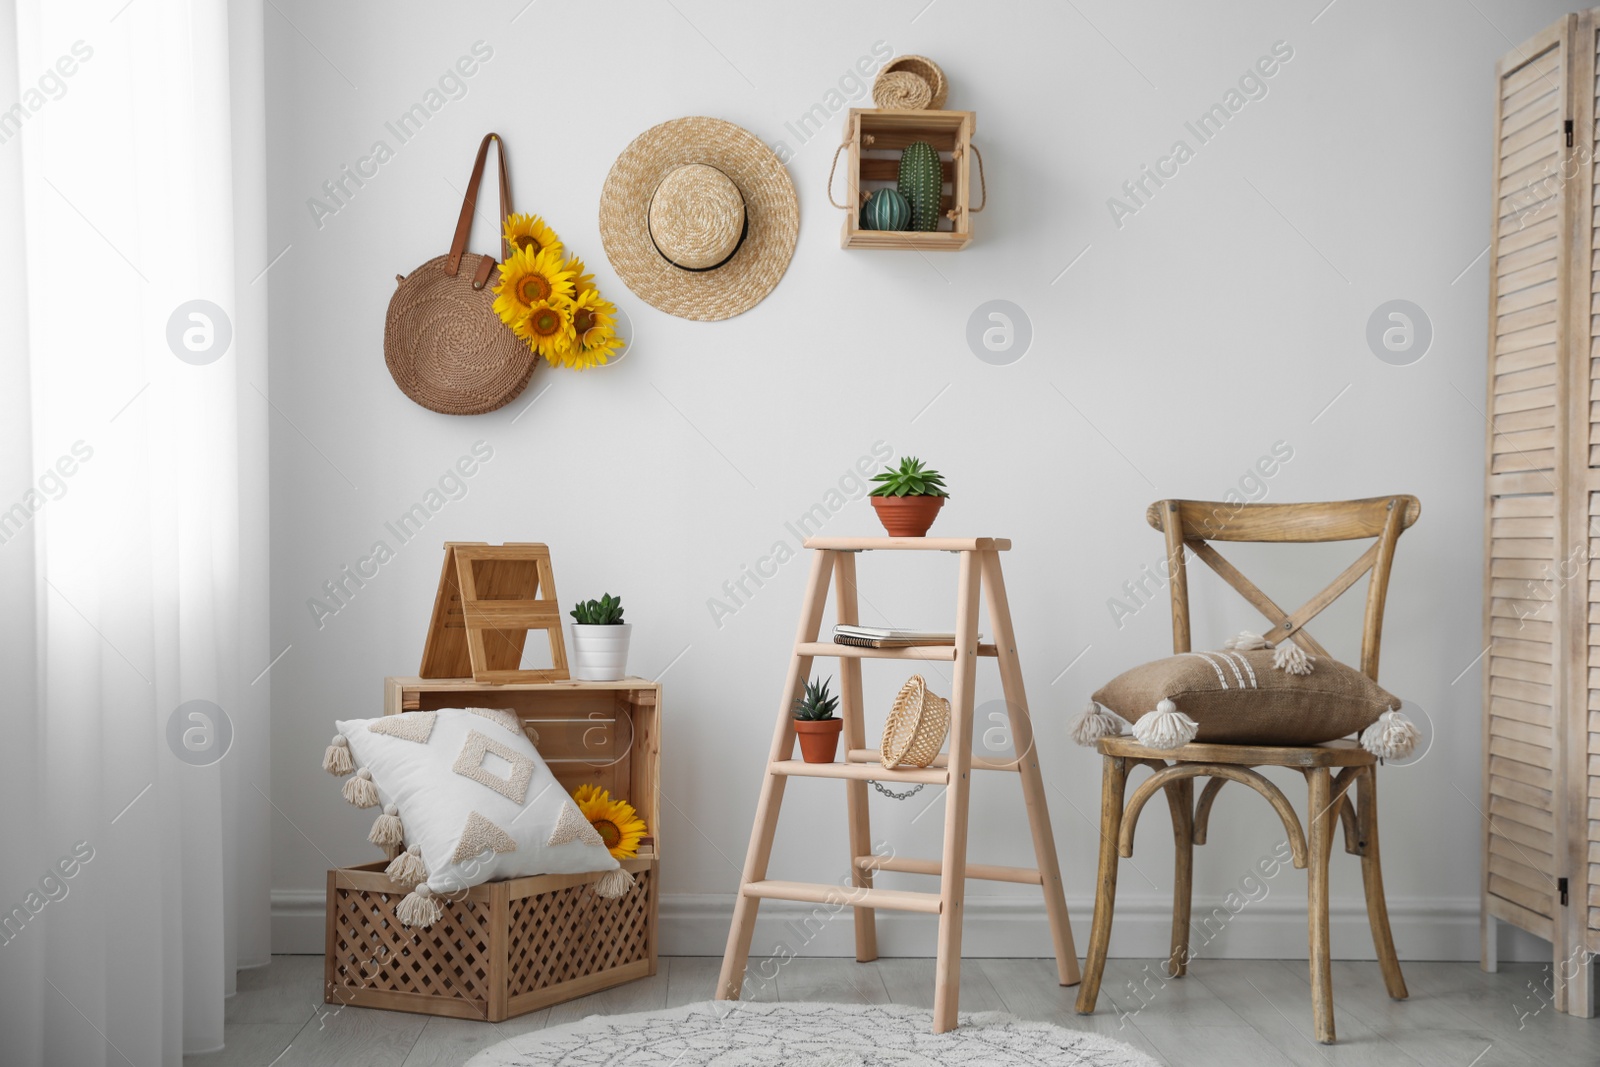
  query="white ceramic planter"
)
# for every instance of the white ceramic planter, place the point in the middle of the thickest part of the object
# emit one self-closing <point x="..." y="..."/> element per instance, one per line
<point x="600" y="653"/>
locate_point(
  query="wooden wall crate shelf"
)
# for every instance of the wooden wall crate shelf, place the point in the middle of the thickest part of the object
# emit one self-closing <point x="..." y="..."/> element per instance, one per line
<point x="874" y="140"/>
<point x="507" y="948"/>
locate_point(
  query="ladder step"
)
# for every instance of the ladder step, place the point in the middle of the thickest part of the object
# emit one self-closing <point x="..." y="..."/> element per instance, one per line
<point x="821" y="893"/>
<point x="861" y="772"/>
<point x="988" y="872"/>
<point x="912" y="652"/>
<point x="979" y="763"/>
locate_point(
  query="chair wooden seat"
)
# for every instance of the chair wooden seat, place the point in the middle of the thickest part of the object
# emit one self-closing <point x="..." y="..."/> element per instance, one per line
<point x="1341" y="776"/>
<point x="1342" y="753"/>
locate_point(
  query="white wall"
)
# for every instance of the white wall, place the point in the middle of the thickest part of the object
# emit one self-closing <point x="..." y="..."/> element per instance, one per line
<point x="1220" y="319"/>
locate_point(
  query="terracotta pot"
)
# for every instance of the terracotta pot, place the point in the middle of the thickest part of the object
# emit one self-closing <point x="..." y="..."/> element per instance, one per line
<point x="819" y="739"/>
<point x="907" y="516"/>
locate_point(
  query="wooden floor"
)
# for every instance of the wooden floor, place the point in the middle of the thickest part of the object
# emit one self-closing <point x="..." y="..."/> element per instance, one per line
<point x="1231" y="1013"/>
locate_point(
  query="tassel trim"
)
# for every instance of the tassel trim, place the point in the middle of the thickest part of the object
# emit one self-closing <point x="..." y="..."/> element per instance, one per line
<point x="1286" y="656"/>
<point x="1393" y="736"/>
<point x="336" y="761"/>
<point x="613" y="884"/>
<point x="1291" y="659"/>
<point x="1097" y="721"/>
<point x="1246" y="641"/>
<point x="1165" y="728"/>
<point x="387" y="830"/>
<point x="360" y="790"/>
<point x="419" y="908"/>
<point x="408" y="868"/>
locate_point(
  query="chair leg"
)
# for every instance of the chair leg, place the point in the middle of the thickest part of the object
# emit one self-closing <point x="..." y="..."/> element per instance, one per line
<point x="1372" y="881"/>
<point x="1321" y="824"/>
<point x="1114" y="781"/>
<point x="1180" y="799"/>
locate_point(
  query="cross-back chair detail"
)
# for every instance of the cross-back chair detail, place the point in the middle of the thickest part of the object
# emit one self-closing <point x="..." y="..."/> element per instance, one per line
<point x="1340" y="775"/>
<point x="1191" y="526"/>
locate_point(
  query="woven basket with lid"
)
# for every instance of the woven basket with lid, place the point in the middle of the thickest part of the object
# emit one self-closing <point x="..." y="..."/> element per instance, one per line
<point x="900" y="90"/>
<point x="914" y="732"/>
<point x="928" y="71"/>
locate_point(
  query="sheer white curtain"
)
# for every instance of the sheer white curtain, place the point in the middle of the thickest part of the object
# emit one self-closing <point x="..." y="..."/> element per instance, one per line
<point x="133" y="496"/>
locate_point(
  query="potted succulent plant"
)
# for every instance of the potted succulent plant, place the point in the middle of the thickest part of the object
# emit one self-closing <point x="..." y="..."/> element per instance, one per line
<point x="814" y="721"/>
<point x="908" y="498"/>
<point x="599" y="640"/>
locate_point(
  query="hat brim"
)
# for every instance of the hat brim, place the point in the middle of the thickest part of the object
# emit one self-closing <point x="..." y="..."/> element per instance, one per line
<point x="771" y="207"/>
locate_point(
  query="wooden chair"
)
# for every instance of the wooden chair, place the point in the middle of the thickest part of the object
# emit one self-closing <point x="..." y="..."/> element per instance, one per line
<point x="1330" y="769"/>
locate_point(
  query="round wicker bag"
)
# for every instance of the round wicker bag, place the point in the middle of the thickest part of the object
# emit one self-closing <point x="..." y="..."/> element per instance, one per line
<point x="444" y="345"/>
<point x="917" y="724"/>
<point x="928" y="71"/>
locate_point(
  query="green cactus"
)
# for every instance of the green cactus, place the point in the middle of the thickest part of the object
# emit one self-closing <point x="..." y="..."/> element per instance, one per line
<point x="886" y="209"/>
<point x="922" y="183"/>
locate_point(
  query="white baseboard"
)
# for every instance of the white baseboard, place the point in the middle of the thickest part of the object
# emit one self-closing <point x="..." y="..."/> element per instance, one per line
<point x="696" y="924"/>
<point x="299" y="922"/>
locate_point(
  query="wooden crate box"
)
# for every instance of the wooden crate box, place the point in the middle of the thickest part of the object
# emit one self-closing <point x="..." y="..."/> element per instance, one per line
<point x="874" y="140"/>
<point x="506" y="948"/>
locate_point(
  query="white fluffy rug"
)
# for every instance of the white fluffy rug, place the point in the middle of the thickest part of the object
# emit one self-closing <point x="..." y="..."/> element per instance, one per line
<point x="746" y="1034"/>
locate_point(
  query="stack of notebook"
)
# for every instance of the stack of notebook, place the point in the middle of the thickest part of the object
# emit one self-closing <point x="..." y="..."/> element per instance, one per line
<point x="889" y="636"/>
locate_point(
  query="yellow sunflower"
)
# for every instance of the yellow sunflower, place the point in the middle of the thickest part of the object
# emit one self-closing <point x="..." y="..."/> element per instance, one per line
<point x="524" y="232"/>
<point x="582" y="281"/>
<point x="529" y="278"/>
<point x="617" y="823"/>
<point x="547" y="327"/>
<point x="594" y="328"/>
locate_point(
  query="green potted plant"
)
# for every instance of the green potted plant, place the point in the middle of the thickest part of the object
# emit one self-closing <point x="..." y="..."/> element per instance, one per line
<point x="599" y="640"/>
<point x="908" y="498"/>
<point x="814" y="721"/>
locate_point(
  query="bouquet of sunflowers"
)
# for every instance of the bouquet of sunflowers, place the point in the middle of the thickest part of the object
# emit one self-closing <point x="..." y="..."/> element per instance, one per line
<point x="550" y="302"/>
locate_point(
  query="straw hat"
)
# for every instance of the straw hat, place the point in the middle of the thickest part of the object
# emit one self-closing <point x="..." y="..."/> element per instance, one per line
<point x="699" y="218"/>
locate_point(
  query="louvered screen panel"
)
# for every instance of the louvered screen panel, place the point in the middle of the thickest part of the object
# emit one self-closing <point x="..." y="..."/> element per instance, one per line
<point x="1584" y="730"/>
<point x="1590" y="818"/>
<point x="1524" y="542"/>
<point x="1521" y="746"/>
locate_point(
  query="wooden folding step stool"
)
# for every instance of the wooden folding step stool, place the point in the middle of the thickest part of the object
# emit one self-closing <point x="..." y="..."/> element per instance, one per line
<point x="979" y="572"/>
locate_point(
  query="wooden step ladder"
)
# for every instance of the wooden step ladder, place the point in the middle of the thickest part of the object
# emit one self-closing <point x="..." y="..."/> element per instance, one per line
<point x="835" y="557"/>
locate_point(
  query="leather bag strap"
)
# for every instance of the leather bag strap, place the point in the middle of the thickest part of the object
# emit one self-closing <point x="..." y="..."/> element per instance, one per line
<point x="469" y="204"/>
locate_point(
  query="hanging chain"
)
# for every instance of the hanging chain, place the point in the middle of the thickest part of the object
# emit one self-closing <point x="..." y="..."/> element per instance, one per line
<point x="892" y="795"/>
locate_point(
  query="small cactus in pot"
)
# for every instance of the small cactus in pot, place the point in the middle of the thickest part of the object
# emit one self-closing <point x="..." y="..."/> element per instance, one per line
<point x="599" y="640"/>
<point x="815" y="723"/>
<point x="908" y="498"/>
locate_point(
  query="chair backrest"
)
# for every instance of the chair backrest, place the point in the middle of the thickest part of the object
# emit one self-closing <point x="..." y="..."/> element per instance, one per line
<point x="1193" y="524"/>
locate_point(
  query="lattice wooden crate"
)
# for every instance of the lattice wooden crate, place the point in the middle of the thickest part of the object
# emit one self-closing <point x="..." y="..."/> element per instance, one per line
<point x="506" y="948"/>
<point x="501" y="950"/>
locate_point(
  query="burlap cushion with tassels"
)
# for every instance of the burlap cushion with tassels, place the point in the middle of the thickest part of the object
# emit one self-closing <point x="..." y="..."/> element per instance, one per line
<point x="1246" y="697"/>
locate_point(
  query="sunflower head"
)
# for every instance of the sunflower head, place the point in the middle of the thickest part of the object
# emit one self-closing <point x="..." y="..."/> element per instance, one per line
<point x="547" y="327"/>
<point x="529" y="233"/>
<point x="616" y="821"/>
<point x="529" y="278"/>
<point x="594" y="328"/>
